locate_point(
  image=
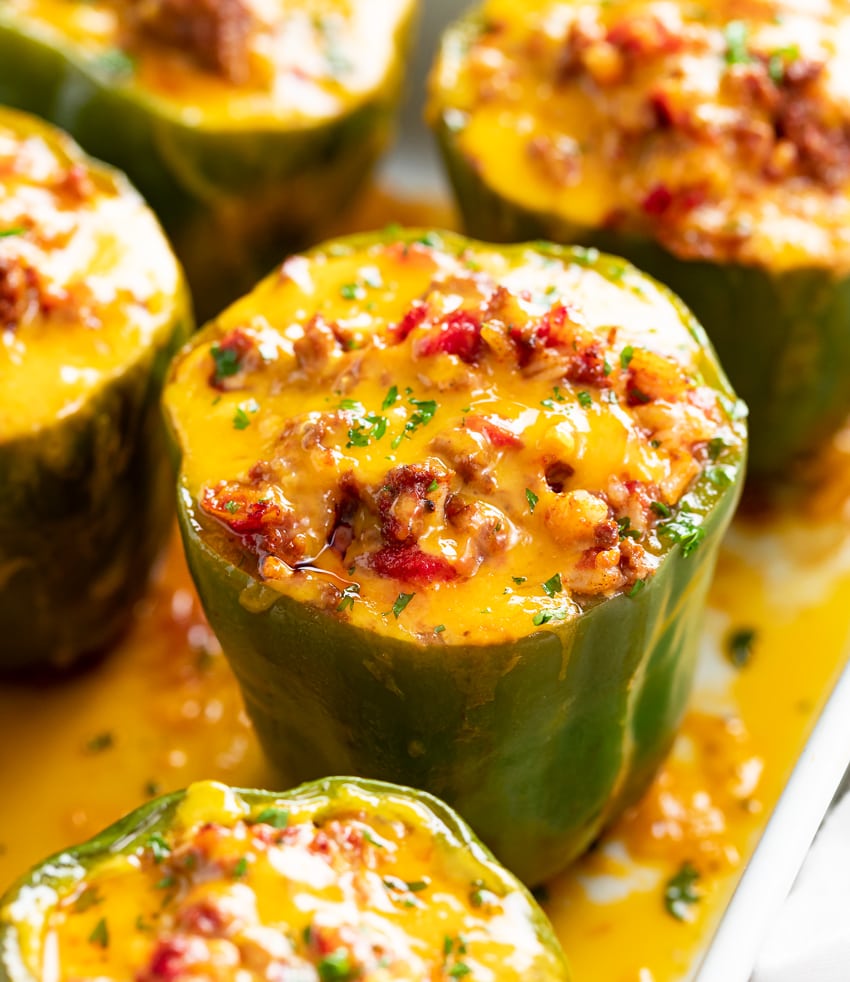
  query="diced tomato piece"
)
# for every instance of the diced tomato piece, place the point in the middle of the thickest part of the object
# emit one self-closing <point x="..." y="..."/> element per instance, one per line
<point x="412" y="565"/>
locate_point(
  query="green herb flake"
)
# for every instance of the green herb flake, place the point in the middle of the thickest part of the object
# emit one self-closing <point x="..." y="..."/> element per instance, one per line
<point x="100" y="934"/>
<point x="779" y="60"/>
<point x="278" y="818"/>
<point x="166" y="883"/>
<point x="680" y="893"/>
<point x="87" y="899"/>
<point x="606" y="367"/>
<point x="391" y="397"/>
<point x="585" y="399"/>
<point x="336" y="967"/>
<point x="350" y="291"/>
<point x="432" y="486"/>
<point x="142" y="925"/>
<point x="736" y="34"/>
<point x="626" y="356"/>
<point x="545" y="616"/>
<point x="720" y="476"/>
<point x="716" y="447"/>
<point x="232" y="507"/>
<point x="348" y="596"/>
<point x="661" y="509"/>
<point x="531" y="498"/>
<point x="439" y="629"/>
<point x="417" y="886"/>
<point x="159" y="848"/>
<point x="152" y="788"/>
<point x="636" y="588"/>
<point x="553" y="585"/>
<point x="459" y="970"/>
<point x="241" y="867"/>
<point x="100" y="742"/>
<point x="367" y="835"/>
<point x="430" y="239"/>
<point x="624" y="526"/>
<point x="241" y="420"/>
<point x="226" y="362"/>
<point x="401" y="601"/>
<point x="519" y="580"/>
<point x="685" y="530"/>
<point x="8" y="233"/>
<point x="739" y="646"/>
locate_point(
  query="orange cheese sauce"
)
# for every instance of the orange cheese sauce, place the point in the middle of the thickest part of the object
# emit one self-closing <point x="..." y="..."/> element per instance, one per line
<point x="163" y="710"/>
<point x="378" y="888"/>
<point x="411" y="434"/>
<point x="87" y="280"/>
<point x="229" y="65"/>
<point x="723" y="130"/>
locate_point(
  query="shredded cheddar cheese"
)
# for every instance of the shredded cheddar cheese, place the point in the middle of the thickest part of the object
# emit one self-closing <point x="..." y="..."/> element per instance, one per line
<point x="437" y="436"/>
<point x="352" y="885"/>
<point x="86" y="279"/>
<point x="722" y="130"/>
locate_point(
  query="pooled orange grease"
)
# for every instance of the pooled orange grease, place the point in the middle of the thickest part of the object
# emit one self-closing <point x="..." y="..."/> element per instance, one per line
<point x="163" y="710"/>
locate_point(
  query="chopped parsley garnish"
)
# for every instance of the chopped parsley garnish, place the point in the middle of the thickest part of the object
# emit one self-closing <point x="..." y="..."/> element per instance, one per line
<point x="553" y="585"/>
<point x="367" y="428"/>
<point x="241" y="867"/>
<point x="401" y="601"/>
<point x="7" y="233"/>
<point x="661" y="509"/>
<point x="606" y="367"/>
<point x="241" y="419"/>
<point x="349" y="595"/>
<point x="422" y="415"/>
<point x="739" y="646"/>
<point x="519" y="580"/>
<point x="680" y="893"/>
<point x="545" y="616"/>
<point x="390" y="397"/>
<point x="430" y="239"/>
<point x="626" y="531"/>
<point x="159" y="848"/>
<point x="103" y="741"/>
<point x="636" y="588"/>
<point x="585" y="399"/>
<point x="779" y="60"/>
<point x="531" y="498"/>
<point x="686" y="530"/>
<point x="232" y="507"/>
<point x="100" y="934"/>
<point x="736" y="34"/>
<point x="439" y="629"/>
<point x="166" y="883"/>
<point x="336" y="967"/>
<point x="278" y="818"/>
<point x="720" y="476"/>
<point x="87" y="899"/>
<point x="626" y="356"/>
<point x="432" y="486"/>
<point x="226" y="362"/>
<point x="716" y="447"/>
<point x="459" y="969"/>
<point x="350" y="291"/>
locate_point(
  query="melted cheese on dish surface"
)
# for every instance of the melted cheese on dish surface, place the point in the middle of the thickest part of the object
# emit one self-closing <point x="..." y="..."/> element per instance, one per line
<point x="723" y="130"/>
<point x="437" y="440"/>
<point x="350" y="884"/>
<point x="87" y="279"/>
<point x="228" y="64"/>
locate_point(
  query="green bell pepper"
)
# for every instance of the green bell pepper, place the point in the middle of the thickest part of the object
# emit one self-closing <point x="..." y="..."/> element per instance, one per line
<point x="238" y="169"/>
<point x="781" y="329"/>
<point x="338" y="879"/>
<point x="93" y="306"/>
<point x="538" y="703"/>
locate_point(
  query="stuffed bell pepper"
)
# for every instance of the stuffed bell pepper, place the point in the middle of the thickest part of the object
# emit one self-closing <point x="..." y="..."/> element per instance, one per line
<point x="92" y="305"/>
<point x="245" y="124"/>
<point x="336" y="881"/>
<point x="452" y="510"/>
<point x="709" y="143"/>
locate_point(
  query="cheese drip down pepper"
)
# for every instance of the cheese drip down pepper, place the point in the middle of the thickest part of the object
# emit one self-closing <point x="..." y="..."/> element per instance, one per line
<point x="710" y="144"/>
<point x="92" y="306"/>
<point x="452" y="510"/>
<point x="247" y="124"/>
<point x="336" y="880"/>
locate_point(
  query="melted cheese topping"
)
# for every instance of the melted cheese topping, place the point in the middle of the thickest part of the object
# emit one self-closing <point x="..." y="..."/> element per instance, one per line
<point x="723" y="130"/>
<point x="231" y="63"/>
<point x="87" y="280"/>
<point x="439" y="440"/>
<point x="352" y="886"/>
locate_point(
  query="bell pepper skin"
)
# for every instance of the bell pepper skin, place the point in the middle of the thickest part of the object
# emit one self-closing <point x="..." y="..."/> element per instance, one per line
<point x="232" y="198"/>
<point x="456" y="861"/>
<point x="84" y="496"/>
<point x="539" y="741"/>
<point x="780" y="333"/>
